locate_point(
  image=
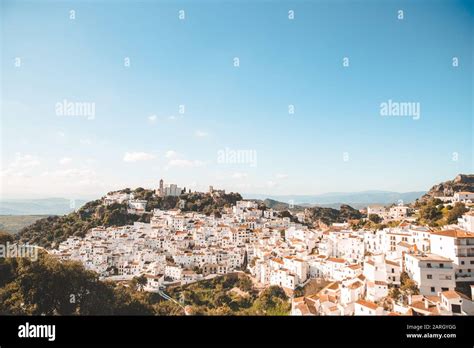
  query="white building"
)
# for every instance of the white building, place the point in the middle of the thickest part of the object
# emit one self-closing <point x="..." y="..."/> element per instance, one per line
<point x="393" y="272"/>
<point x="457" y="245"/>
<point x="363" y="307"/>
<point x="283" y="278"/>
<point x="398" y="212"/>
<point x="137" y="206"/>
<point x="466" y="222"/>
<point x="375" y="271"/>
<point x="463" y="197"/>
<point x="241" y="206"/>
<point x="117" y="197"/>
<point x="298" y="267"/>
<point x="457" y="303"/>
<point x="174" y="272"/>
<point x="172" y="190"/>
<point x="432" y="273"/>
<point x="379" y="210"/>
<point x="153" y="282"/>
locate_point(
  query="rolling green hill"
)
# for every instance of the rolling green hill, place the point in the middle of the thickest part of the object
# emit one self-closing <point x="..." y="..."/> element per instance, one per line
<point x="14" y="223"/>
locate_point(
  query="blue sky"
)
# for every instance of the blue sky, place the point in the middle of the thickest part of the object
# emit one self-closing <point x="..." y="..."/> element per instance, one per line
<point x="138" y="135"/>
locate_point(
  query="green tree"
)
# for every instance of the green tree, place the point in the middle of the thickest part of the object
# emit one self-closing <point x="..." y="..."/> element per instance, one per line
<point x="430" y="213"/>
<point x="394" y="293"/>
<point x="375" y="218"/>
<point x="245" y="284"/>
<point x="272" y="301"/>
<point x="407" y="285"/>
<point x="139" y="283"/>
<point x="456" y="212"/>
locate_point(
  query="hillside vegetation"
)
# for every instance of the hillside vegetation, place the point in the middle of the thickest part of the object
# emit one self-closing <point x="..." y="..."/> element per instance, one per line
<point x="47" y="232"/>
<point x="14" y="223"/>
<point x="433" y="213"/>
<point x="232" y="294"/>
<point x="330" y="215"/>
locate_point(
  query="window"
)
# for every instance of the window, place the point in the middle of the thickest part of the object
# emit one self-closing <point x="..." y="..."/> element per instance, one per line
<point x="428" y="265"/>
<point x="456" y="308"/>
<point x="441" y="265"/>
<point x="429" y="276"/>
<point x="444" y="289"/>
<point x="433" y="289"/>
<point x="462" y="262"/>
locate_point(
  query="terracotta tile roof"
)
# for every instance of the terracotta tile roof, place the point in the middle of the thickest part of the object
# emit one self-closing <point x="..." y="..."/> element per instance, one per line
<point x="355" y="285"/>
<point x="334" y="259"/>
<point x="378" y="282"/>
<point x="367" y="304"/>
<point x="406" y="245"/>
<point x="420" y="306"/>
<point x="451" y="294"/>
<point x="280" y="261"/>
<point x="454" y="234"/>
<point x="393" y="263"/>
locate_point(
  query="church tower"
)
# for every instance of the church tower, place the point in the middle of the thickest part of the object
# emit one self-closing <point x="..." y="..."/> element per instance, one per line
<point x="160" y="191"/>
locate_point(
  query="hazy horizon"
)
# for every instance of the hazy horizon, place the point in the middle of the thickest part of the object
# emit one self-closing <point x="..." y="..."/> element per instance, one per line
<point x="244" y="194"/>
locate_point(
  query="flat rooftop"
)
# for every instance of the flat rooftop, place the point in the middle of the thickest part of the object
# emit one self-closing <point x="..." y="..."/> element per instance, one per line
<point x="430" y="257"/>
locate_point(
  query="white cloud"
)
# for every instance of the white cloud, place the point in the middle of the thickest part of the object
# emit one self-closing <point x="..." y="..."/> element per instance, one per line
<point x="177" y="160"/>
<point x="65" y="160"/>
<point x="271" y="184"/>
<point x="137" y="156"/>
<point x="201" y="134"/>
<point x="20" y="164"/>
<point x="85" y="141"/>
<point x="82" y="175"/>
<point x="152" y="118"/>
<point x="183" y="163"/>
<point x="281" y="176"/>
<point x="61" y="134"/>
<point x="25" y="176"/>
<point x="171" y="154"/>
<point x="239" y="175"/>
<point x="25" y="161"/>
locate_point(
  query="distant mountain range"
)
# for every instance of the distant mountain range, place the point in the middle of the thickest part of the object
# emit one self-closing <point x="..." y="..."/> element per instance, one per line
<point x="462" y="182"/>
<point x="61" y="206"/>
<point x="46" y="206"/>
<point x="335" y="199"/>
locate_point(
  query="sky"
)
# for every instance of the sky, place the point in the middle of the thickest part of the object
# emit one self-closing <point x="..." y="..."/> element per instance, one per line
<point x="177" y="89"/>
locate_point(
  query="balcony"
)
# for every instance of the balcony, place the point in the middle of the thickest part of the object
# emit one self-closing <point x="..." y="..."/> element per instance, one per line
<point x="464" y="276"/>
<point x="464" y="242"/>
<point x="436" y="266"/>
